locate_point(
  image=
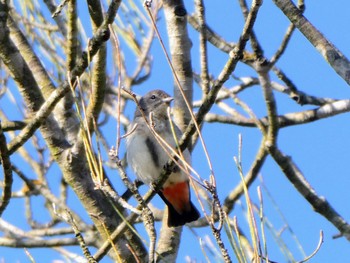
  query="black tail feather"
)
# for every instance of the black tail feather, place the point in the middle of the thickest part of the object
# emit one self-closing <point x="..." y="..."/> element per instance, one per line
<point x="177" y="219"/>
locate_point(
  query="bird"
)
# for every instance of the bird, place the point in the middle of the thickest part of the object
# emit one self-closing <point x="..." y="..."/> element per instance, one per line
<point x="147" y="157"/>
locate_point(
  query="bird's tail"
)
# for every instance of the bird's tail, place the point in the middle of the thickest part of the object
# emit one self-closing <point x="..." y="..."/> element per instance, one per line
<point x="181" y="210"/>
<point x="176" y="219"/>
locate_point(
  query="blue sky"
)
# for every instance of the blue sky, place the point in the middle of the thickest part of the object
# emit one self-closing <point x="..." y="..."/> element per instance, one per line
<point x="320" y="149"/>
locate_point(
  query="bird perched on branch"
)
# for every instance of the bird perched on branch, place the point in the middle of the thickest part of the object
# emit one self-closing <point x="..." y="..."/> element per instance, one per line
<point x="147" y="155"/>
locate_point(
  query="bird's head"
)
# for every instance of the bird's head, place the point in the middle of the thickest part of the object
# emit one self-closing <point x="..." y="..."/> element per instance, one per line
<point x="156" y="101"/>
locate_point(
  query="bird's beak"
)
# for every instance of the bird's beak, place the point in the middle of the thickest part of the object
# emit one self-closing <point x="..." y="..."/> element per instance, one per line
<point x="168" y="100"/>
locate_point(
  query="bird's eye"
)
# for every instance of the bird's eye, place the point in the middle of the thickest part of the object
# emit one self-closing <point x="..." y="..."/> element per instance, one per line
<point x="153" y="97"/>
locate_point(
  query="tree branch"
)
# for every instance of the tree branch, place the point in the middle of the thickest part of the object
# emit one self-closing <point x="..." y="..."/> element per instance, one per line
<point x="5" y="162"/>
<point x="180" y="50"/>
<point x="46" y="108"/>
<point x="330" y="53"/>
<point x="288" y="119"/>
<point x="98" y="77"/>
<point x="318" y="203"/>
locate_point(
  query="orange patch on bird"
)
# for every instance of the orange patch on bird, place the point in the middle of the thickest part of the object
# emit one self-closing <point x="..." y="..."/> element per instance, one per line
<point x="178" y="196"/>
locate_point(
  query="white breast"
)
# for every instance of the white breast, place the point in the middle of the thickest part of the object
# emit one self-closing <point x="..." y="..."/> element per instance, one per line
<point x="140" y="159"/>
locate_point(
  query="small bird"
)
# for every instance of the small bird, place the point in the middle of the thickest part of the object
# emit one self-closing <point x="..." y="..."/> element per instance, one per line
<point x="147" y="157"/>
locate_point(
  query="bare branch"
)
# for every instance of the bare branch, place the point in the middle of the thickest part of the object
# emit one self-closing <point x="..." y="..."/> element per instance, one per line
<point x="7" y="171"/>
<point x="330" y="53"/>
<point x="200" y="10"/>
<point x="319" y="203"/>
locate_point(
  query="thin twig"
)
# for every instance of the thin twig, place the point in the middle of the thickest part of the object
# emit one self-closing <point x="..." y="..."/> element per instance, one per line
<point x="118" y="58"/>
<point x="69" y="219"/>
<point x="272" y="128"/>
<point x="258" y="51"/>
<point x="33" y="185"/>
<point x="59" y="8"/>
<point x="315" y="251"/>
<point x="217" y="230"/>
<point x="146" y="213"/>
<point x="287" y="37"/>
